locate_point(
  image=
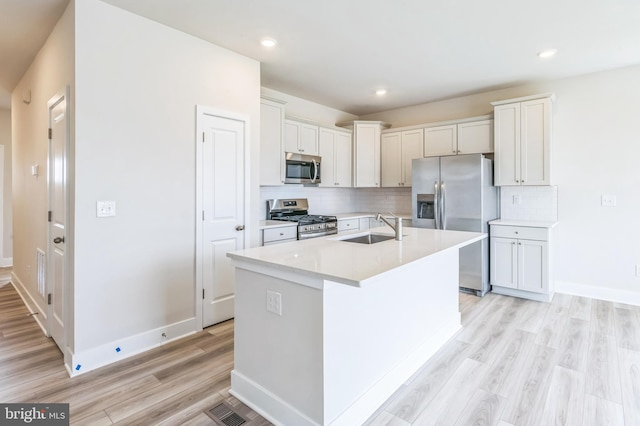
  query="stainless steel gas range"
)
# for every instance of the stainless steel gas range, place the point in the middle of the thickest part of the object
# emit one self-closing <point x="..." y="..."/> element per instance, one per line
<point x="297" y="210"/>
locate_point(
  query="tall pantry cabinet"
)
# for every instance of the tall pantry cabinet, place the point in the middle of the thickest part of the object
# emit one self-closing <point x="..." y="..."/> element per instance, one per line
<point x="522" y="141"/>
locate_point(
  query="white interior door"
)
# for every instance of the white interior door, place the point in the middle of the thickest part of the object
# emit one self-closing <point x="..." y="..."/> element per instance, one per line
<point x="223" y="198"/>
<point x="57" y="168"/>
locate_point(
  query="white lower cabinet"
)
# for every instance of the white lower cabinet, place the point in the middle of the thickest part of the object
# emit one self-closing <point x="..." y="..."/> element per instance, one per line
<point x="348" y="225"/>
<point x="520" y="262"/>
<point x="279" y="235"/>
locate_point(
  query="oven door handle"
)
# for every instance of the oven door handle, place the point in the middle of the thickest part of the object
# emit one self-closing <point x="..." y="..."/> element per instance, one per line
<point x="317" y="234"/>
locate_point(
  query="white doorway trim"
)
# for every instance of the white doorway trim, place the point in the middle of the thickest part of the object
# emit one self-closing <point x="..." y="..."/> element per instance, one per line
<point x="61" y="96"/>
<point x="202" y="111"/>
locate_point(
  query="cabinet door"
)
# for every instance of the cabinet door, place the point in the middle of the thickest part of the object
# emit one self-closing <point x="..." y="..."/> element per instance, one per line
<point x="532" y="266"/>
<point x="506" y="164"/>
<point x="475" y="137"/>
<point x="291" y="136"/>
<point x="348" y="225"/>
<point x="441" y="140"/>
<point x="271" y="143"/>
<point x="366" y="146"/>
<point x="412" y="147"/>
<point x="342" y="165"/>
<point x="535" y="133"/>
<point x="327" y="150"/>
<point x="308" y="142"/>
<point x="504" y="262"/>
<point x="391" y="158"/>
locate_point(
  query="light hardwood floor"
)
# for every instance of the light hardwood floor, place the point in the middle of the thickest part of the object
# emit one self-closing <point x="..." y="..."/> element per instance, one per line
<point x="575" y="361"/>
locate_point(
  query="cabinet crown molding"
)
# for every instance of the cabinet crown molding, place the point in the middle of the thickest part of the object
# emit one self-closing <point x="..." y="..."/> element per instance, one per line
<point x="549" y="95"/>
<point x="440" y="123"/>
<point x="315" y="123"/>
<point x="351" y="124"/>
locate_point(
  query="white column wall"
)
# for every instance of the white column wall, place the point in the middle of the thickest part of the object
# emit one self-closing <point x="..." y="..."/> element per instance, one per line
<point x="138" y="84"/>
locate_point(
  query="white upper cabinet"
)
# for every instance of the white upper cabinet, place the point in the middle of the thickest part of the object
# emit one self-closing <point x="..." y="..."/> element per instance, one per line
<point x="474" y="137"/>
<point x="271" y="145"/>
<point x="398" y="149"/>
<point x="522" y="141"/>
<point x="301" y="138"/>
<point x="441" y="140"/>
<point x="366" y="153"/>
<point x="335" y="152"/>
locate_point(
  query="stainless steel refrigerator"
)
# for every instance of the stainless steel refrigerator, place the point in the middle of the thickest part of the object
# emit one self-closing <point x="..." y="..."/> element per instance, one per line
<point x="457" y="193"/>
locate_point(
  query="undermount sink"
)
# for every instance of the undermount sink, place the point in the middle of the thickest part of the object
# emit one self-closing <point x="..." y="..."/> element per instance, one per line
<point x="369" y="238"/>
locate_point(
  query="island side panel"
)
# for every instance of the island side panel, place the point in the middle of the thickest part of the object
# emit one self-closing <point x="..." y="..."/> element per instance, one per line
<point x="377" y="336"/>
<point x="278" y="359"/>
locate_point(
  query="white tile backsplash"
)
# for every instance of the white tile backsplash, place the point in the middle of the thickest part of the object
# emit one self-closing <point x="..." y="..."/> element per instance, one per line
<point x="341" y="200"/>
<point x="535" y="203"/>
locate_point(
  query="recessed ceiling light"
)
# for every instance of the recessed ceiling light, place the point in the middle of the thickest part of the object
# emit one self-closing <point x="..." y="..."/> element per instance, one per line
<point x="268" y="42"/>
<point x="381" y="92"/>
<point x="547" y="53"/>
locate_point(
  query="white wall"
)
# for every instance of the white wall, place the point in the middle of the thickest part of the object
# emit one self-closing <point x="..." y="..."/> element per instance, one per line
<point x="138" y="84"/>
<point x="595" y="151"/>
<point x="50" y="72"/>
<point x="6" y="251"/>
<point x="302" y="108"/>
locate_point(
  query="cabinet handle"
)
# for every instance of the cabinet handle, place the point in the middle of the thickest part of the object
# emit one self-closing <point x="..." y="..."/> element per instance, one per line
<point x="281" y="234"/>
<point x="454" y="151"/>
<point x="519" y="244"/>
<point x="516" y="232"/>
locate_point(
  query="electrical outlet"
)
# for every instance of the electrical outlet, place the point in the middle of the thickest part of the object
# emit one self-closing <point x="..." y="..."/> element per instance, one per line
<point x="637" y="270"/>
<point x="516" y="200"/>
<point x="274" y="302"/>
<point x="105" y="208"/>
<point x="608" y="200"/>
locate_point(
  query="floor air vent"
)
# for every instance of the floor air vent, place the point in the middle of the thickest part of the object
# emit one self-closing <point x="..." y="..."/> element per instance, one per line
<point x="223" y="415"/>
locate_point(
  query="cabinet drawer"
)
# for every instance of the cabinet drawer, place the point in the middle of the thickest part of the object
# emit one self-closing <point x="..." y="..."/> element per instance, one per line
<point x="523" y="232"/>
<point x="348" y="224"/>
<point x="277" y="234"/>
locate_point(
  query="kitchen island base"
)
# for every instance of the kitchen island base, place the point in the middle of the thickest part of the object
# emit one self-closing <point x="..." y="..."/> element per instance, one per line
<point x="337" y="352"/>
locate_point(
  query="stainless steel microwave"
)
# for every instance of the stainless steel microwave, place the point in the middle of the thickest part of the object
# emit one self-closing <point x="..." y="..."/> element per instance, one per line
<point x="301" y="168"/>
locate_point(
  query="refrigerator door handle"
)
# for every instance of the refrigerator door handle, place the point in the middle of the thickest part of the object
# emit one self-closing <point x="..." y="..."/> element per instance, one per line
<point x="443" y="206"/>
<point x="436" y="205"/>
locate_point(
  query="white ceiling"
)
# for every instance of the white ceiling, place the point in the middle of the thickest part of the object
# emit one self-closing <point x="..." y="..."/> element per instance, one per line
<point x="24" y="27"/>
<point x="338" y="52"/>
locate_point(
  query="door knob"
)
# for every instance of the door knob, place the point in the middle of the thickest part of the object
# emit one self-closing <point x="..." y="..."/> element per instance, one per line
<point x="240" y="228"/>
<point x="58" y="240"/>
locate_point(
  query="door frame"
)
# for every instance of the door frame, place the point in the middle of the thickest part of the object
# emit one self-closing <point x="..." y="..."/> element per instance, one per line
<point x="63" y="94"/>
<point x="202" y="111"/>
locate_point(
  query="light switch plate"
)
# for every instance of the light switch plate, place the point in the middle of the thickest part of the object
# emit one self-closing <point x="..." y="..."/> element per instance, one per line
<point x="105" y="208"/>
<point x="608" y="200"/>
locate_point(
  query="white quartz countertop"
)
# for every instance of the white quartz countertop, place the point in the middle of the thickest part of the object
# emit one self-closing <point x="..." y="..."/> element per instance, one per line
<point x="526" y="223"/>
<point x="351" y="263"/>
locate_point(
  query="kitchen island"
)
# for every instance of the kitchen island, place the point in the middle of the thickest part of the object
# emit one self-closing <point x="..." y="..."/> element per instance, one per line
<point x="326" y="330"/>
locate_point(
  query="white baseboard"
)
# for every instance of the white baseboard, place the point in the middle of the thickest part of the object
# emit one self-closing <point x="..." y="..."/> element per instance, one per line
<point x="39" y="314"/>
<point x="382" y="390"/>
<point x="597" y="292"/>
<point x="279" y="412"/>
<point x="265" y="403"/>
<point x="99" y="356"/>
<point x="6" y="262"/>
